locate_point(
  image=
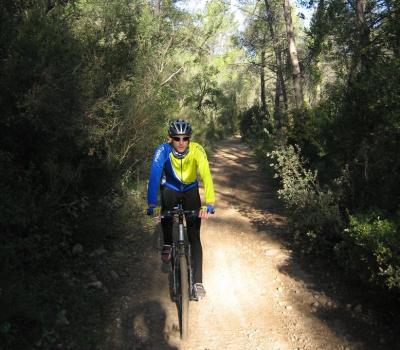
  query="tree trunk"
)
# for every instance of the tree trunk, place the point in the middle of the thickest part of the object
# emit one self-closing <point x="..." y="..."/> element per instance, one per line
<point x="360" y="56"/>
<point x="280" y="82"/>
<point x="157" y="8"/>
<point x="262" y="82"/>
<point x="277" y="102"/>
<point x="360" y="14"/>
<point x="296" y="72"/>
<point x="363" y="31"/>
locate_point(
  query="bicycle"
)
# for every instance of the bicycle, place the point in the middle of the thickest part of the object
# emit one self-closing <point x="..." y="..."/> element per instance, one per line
<point x="181" y="269"/>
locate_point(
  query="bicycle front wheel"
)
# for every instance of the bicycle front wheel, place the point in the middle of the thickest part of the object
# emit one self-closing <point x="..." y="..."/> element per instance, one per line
<point x="184" y="297"/>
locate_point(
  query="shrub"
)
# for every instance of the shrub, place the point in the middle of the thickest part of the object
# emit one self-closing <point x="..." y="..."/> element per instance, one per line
<point x="370" y="248"/>
<point x="313" y="211"/>
<point x="253" y="125"/>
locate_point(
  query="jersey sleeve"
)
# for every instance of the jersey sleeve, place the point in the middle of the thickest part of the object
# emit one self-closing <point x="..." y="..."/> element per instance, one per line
<point x="160" y="157"/>
<point x="205" y="174"/>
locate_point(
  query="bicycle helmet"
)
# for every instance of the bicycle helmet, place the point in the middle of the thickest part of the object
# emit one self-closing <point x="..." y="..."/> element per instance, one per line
<point x="179" y="127"/>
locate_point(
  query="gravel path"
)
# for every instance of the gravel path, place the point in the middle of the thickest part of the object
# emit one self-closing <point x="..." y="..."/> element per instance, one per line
<point x="258" y="296"/>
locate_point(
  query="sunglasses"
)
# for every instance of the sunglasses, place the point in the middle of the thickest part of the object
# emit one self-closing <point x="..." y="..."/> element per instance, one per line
<point x="185" y="139"/>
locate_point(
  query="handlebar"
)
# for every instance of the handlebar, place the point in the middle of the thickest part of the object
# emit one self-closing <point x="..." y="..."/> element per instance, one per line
<point x="178" y="211"/>
<point x="158" y="213"/>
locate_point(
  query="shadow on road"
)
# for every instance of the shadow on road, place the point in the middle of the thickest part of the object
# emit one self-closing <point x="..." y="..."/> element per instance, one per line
<point x="143" y="327"/>
<point x="135" y="317"/>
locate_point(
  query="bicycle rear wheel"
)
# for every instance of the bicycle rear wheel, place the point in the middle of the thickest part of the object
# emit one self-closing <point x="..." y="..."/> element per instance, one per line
<point x="184" y="294"/>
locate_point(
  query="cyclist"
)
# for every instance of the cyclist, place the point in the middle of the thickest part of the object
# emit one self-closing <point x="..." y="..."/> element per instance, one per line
<point x="174" y="169"/>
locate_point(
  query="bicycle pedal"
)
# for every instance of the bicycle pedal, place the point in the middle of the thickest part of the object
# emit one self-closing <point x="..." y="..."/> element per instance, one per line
<point x="199" y="291"/>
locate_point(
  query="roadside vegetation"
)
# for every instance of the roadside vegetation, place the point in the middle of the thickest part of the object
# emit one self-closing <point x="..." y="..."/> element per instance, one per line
<point x="332" y="141"/>
<point x="87" y="91"/>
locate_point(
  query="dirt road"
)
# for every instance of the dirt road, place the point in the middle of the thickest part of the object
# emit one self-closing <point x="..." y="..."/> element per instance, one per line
<point x="258" y="297"/>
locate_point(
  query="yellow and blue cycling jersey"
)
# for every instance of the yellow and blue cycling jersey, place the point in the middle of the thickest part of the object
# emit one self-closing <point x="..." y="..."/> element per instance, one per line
<point x="180" y="175"/>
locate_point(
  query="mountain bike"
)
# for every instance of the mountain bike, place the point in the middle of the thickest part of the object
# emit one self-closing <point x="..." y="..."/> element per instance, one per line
<point x="182" y="289"/>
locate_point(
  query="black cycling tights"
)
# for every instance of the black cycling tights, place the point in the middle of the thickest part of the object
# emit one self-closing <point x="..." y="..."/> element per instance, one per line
<point x="190" y="201"/>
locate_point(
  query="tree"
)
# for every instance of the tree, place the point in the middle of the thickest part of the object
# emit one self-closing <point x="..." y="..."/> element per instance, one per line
<point x="280" y="89"/>
<point x="255" y="40"/>
<point x="296" y="71"/>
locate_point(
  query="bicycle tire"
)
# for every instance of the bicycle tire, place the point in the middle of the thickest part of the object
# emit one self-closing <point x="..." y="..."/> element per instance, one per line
<point x="184" y="294"/>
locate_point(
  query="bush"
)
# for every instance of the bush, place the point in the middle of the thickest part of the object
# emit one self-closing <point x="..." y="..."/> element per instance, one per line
<point x="253" y="125"/>
<point x="313" y="211"/>
<point x="370" y="249"/>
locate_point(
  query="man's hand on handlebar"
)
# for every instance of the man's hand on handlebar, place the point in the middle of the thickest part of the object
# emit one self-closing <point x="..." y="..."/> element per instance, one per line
<point x="206" y="210"/>
<point x="153" y="211"/>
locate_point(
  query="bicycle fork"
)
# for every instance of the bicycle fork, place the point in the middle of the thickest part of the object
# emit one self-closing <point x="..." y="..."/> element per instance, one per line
<point x="178" y="251"/>
<point x="188" y="254"/>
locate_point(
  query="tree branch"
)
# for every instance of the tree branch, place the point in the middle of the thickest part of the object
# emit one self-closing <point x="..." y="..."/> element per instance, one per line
<point x="171" y="76"/>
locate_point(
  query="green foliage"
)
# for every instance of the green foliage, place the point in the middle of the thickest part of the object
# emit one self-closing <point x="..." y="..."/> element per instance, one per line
<point x="370" y="249"/>
<point x="210" y="83"/>
<point x="39" y="86"/>
<point x="313" y="211"/>
<point x="253" y="124"/>
<point x="356" y="123"/>
<point x="303" y="129"/>
<point x="203" y="90"/>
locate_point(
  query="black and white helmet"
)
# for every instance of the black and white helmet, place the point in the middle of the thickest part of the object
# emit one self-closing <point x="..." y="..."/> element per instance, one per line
<point x="180" y="127"/>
